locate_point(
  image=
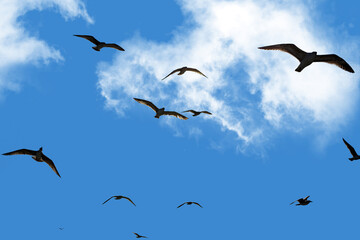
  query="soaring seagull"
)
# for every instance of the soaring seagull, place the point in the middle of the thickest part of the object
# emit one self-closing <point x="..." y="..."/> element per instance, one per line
<point x="100" y="45"/>
<point x="36" y="155"/>
<point x="139" y="236"/>
<point x="118" y="198"/>
<point x="183" y="70"/>
<point x="189" y="203"/>
<point x="306" y="59"/>
<point x="302" y="201"/>
<point x="160" y="111"/>
<point x="352" y="151"/>
<point x="197" y="113"/>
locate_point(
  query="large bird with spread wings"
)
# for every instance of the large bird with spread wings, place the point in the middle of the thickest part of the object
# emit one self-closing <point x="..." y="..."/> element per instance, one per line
<point x="306" y="58"/>
<point x="189" y="203"/>
<point x="352" y="151"/>
<point x="118" y="198"/>
<point x="100" y="45"/>
<point x="183" y="70"/>
<point x="160" y="111"/>
<point x="302" y="201"/>
<point x="36" y="155"/>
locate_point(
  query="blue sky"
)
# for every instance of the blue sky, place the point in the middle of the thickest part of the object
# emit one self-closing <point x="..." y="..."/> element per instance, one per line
<point x="274" y="136"/>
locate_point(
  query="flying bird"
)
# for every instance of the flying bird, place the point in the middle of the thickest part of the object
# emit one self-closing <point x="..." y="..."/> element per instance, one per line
<point x="139" y="236"/>
<point x="302" y="201"/>
<point x="183" y="70"/>
<point x="308" y="58"/>
<point x="161" y="111"/>
<point x="189" y="203"/>
<point x="197" y="113"/>
<point x="37" y="156"/>
<point x="100" y="45"/>
<point x="61" y="228"/>
<point x="118" y="198"/>
<point x="352" y="151"/>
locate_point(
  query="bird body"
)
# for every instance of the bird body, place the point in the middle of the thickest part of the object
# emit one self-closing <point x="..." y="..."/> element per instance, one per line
<point x="183" y="70"/>
<point x="196" y="113"/>
<point x="100" y="45"/>
<point x="189" y="203"/>
<point x="302" y="201"/>
<point x="118" y="198"/>
<point x="139" y="236"/>
<point x="352" y="151"/>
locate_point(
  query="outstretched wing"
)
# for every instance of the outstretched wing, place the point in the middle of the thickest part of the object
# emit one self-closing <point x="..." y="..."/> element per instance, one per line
<point x="88" y="37"/>
<point x="305" y="198"/>
<point x="129" y="200"/>
<point x="176" y="70"/>
<point x="21" y="152"/>
<point x="108" y="199"/>
<point x="181" y="205"/>
<point x="192" y="111"/>
<point x="207" y="112"/>
<point x="175" y="114"/>
<point x="195" y="70"/>
<point x="50" y="163"/>
<point x="147" y="103"/>
<point x="334" y="59"/>
<point x="287" y="47"/>
<point x="352" y="150"/>
<point x="197" y="204"/>
<point x="114" y="45"/>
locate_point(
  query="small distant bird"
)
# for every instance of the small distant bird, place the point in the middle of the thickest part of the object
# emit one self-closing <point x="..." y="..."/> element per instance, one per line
<point x="100" y="45"/>
<point x="302" y="201"/>
<point x="161" y="111"/>
<point x="189" y="203"/>
<point x="352" y="151"/>
<point x="183" y="70"/>
<point x="61" y="228"/>
<point x="139" y="236"/>
<point x="197" y="113"/>
<point x="37" y="156"/>
<point x="308" y="58"/>
<point x="118" y="198"/>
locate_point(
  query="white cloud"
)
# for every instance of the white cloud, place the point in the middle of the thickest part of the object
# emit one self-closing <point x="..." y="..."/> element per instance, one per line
<point x="248" y="90"/>
<point x="17" y="46"/>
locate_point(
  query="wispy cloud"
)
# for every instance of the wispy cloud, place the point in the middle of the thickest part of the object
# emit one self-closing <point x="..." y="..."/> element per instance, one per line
<point x="18" y="46"/>
<point x="249" y="91"/>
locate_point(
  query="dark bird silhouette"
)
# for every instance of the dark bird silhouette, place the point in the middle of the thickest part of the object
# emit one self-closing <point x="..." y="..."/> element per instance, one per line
<point x="139" y="236"/>
<point x="197" y="113"/>
<point x="100" y="45"/>
<point x="352" y="151"/>
<point x="189" y="203"/>
<point x="306" y="59"/>
<point x="302" y="201"/>
<point x="37" y="156"/>
<point x="61" y="228"/>
<point x="161" y="111"/>
<point x="118" y="198"/>
<point x="183" y="70"/>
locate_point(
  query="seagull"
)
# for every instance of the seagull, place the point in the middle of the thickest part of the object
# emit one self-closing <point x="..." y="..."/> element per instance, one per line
<point x="183" y="70"/>
<point x="189" y="203"/>
<point x="307" y="58"/>
<point x="197" y="113"/>
<point x="302" y="201"/>
<point x="139" y="236"/>
<point x="100" y="45"/>
<point x="160" y="111"/>
<point x="36" y="155"/>
<point x="118" y="198"/>
<point x="352" y="151"/>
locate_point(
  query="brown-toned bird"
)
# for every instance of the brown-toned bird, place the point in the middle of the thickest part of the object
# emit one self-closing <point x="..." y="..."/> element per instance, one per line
<point x="352" y="151"/>
<point x="306" y="58"/>
<point x="118" y="198"/>
<point x="189" y="203"/>
<point x="197" y="113"/>
<point x="183" y="70"/>
<point x="36" y="155"/>
<point x="139" y="236"/>
<point x="100" y="45"/>
<point x="302" y="201"/>
<point x="160" y="111"/>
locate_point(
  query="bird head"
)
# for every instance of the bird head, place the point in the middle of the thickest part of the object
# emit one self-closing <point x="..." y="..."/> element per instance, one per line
<point x="40" y="149"/>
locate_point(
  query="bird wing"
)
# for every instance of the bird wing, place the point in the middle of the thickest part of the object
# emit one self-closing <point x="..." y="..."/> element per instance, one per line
<point x="293" y="202"/>
<point x="197" y="204"/>
<point x="195" y="70"/>
<point x="181" y="205"/>
<point x="21" y="152"/>
<point x="305" y="198"/>
<point x="192" y="111"/>
<point x="207" y="112"/>
<point x="108" y="199"/>
<point x="175" y="114"/>
<point x="90" y="38"/>
<point x="352" y="150"/>
<point x="137" y="235"/>
<point x="50" y="163"/>
<point x="176" y="70"/>
<point x="129" y="200"/>
<point x="289" y="48"/>
<point x="334" y="59"/>
<point x="147" y="103"/>
<point x="114" y="45"/>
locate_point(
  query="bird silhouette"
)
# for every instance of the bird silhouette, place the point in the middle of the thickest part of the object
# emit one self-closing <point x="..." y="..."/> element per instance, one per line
<point x="189" y="203"/>
<point x="100" y="45"/>
<point x="36" y="155"/>
<point x="197" y="113"/>
<point x="183" y="70"/>
<point x="302" y="201"/>
<point x="118" y="198"/>
<point x="352" y="151"/>
<point x="139" y="236"/>
<point x="161" y="111"/>
<point x="308" y="58"/>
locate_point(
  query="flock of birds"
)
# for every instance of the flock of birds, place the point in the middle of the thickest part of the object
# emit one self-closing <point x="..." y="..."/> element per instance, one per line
<point x="304" y="58"/>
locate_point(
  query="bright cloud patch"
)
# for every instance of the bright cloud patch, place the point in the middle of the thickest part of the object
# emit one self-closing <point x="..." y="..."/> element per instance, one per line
<point x="18" y="47"/>
<point x="248" y="90"/>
